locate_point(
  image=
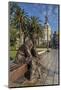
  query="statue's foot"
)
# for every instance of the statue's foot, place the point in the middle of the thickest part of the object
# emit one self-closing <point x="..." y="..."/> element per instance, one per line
<point x="30" y="82"/>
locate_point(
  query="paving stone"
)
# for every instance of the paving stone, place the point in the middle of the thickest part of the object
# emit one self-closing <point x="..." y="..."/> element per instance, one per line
<point x="56" y="79"/>
<point x="49" y="80"/>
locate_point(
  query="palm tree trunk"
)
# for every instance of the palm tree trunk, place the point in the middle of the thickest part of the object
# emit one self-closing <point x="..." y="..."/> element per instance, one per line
<point x="21" y="36"/>
<point x="24" y="39"/>
<point x="38" y="38"/>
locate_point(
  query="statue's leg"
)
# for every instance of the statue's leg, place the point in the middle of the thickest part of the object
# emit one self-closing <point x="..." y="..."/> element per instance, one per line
<point x="39" y="72"/>
<point x="34" y="70"/>
<point x="28" y="73"/>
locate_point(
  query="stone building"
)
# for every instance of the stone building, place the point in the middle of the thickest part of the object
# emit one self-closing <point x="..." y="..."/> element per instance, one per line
<point x="47" y="32"/>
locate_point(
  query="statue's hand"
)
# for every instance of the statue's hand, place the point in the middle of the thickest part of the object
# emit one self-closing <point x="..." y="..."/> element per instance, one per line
<point x="28" y="59"/>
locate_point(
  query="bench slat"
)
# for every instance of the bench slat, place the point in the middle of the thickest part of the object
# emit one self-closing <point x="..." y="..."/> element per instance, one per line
<point x="20" y="71"/>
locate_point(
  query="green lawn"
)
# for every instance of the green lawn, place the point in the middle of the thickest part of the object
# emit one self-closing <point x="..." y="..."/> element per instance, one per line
<point x="12" y="48"/>
<point x="12" y="54"/>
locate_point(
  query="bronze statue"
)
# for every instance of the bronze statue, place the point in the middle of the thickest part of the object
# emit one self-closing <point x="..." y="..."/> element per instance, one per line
<point x="27" y="54"/>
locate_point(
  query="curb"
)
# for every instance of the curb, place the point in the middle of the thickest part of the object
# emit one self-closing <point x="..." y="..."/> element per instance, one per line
<point x="41" y="52"/>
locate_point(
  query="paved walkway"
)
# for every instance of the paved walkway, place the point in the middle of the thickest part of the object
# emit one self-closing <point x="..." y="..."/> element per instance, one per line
<point x="49" y="62"/>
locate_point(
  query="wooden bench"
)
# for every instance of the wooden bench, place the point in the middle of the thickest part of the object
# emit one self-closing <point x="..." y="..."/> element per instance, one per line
<point x="16" y="71"/>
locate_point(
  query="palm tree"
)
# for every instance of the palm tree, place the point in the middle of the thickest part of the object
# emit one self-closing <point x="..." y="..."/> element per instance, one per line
<point x="36" y="29"/>
<point x="39" y="32"/>
<point x="18" y="17"/>
<point x="21" y="18"/>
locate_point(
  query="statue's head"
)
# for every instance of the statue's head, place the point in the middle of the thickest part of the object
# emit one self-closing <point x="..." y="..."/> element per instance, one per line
<point x="29" y="43"/>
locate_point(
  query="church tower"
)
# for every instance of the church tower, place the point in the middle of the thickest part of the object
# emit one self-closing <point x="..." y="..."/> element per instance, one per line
<point x="47" y="31"/>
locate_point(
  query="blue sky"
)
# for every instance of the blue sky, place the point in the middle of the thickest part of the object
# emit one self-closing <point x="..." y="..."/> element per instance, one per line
<point x="39" y="10"/>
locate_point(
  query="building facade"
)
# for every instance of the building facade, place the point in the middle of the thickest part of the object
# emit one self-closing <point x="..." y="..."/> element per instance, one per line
<point x="47" y="33"/>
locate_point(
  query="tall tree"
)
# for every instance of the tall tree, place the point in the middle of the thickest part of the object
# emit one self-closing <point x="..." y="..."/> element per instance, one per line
<point x="18" y="17"/>
<point x="36" y="29"/>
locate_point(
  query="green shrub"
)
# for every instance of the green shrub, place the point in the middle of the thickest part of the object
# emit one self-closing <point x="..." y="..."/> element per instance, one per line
<point x="12" y="54"/>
